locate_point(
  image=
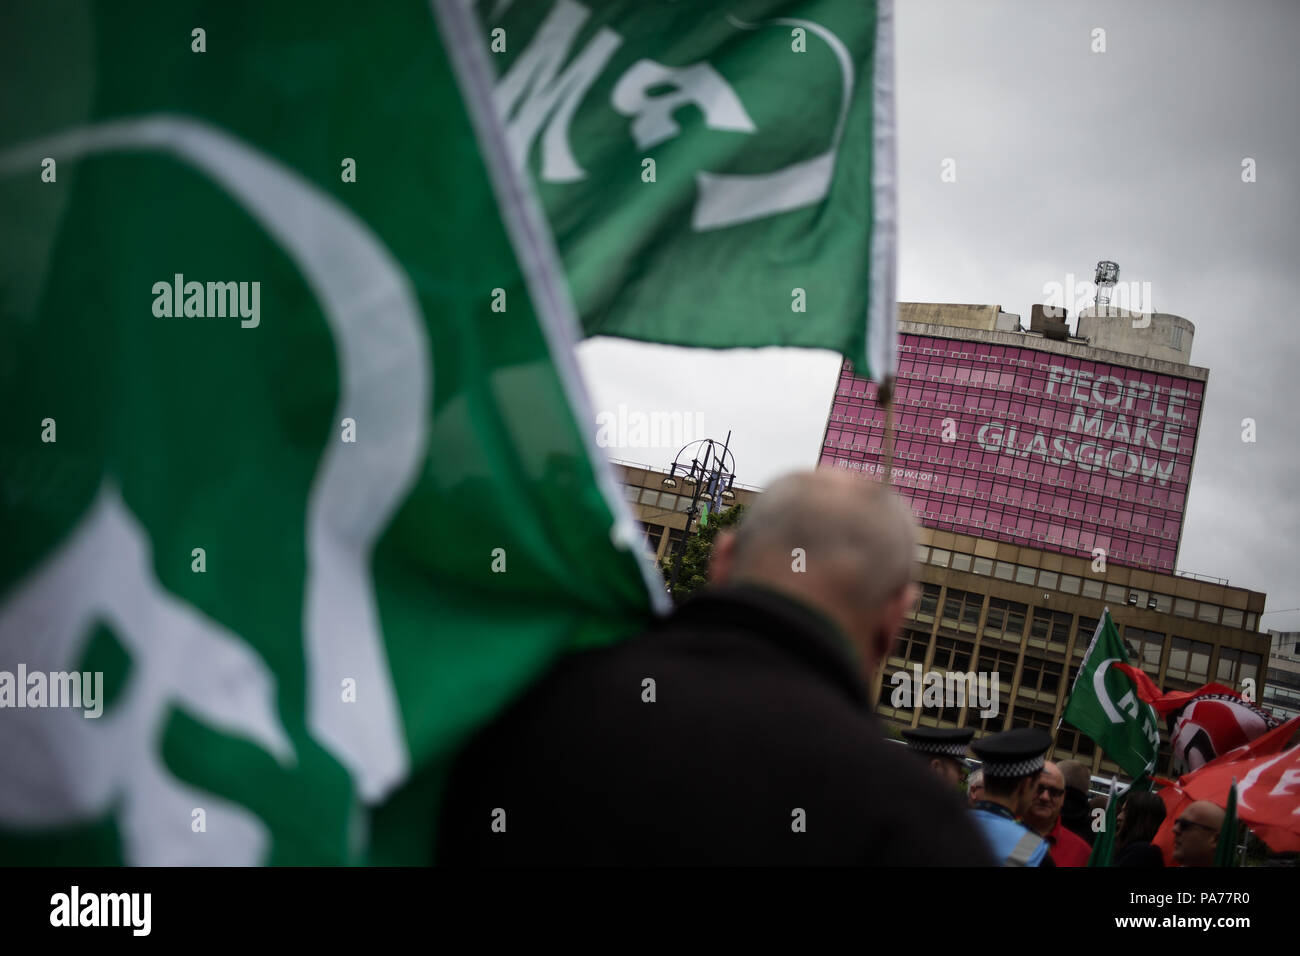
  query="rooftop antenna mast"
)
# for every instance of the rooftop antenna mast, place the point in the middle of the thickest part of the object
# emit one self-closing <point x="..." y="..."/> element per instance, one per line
<point x="1107" y="276"/>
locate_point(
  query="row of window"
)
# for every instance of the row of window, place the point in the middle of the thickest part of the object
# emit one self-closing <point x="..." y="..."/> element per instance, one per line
<point x="1045" y="683"/>
<point x="1089" y="587"/>
<point x="1049" y="631"/>
<point x="665" y="500"/>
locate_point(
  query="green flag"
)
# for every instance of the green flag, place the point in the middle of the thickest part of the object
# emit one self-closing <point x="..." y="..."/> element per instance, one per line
<point x="1225" y="851"/>
<point x="1104" y="705"/>
<point x="716" y="174"/>
<point x="1103" y="845"/>
<point x="295" y="455"/>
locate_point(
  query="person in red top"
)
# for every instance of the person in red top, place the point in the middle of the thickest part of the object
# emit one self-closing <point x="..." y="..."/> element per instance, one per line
<point x="1044" y="818"/>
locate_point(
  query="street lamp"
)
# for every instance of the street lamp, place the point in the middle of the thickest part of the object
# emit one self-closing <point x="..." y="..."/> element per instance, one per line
<point x="710" y="474"/>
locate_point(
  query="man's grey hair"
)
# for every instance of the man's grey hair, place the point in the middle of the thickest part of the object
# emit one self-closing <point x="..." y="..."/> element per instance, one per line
<point x="850" y="530"/>
<point x="1077" y="774"/>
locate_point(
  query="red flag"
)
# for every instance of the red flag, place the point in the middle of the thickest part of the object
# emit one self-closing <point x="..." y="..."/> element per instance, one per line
<point x="1204" y="723"/>
<point x="1167" y="703"/>
<point x="1267" y="770"/>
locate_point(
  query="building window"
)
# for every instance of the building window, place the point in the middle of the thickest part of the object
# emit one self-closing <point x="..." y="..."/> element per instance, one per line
<point x="940" y="557"/>
<point x="1025" y="575"/>
<point x="922" y="553"/>
<point x="1115" y="594"/>
<point x="632" y="493"/>
<point x="1092" y="588"/>
<point x="1069" y="584"/>
<point x="1231" y="617"/>
<point x="961" y="609"/>
<point x="983" y="566"/>
<point x="1208" y="612"/>
<point x="1072" y="741"/>
<point x="1047" y="579"/>
<point x="1024" y="717"/>
<point x="928" y="603"/>
<point x="1250" y="664"/>
<point x="653" y="532"/>
<point x="912" y="646"/>
<point x="1083" y="636"/>
<point x="1040" y="675"/>
<point x="650" y="496"/>
<point x="1146" y="648"/>
<point x="952" y="654"/>
<point x="1188" y="660"/>
<point x="1004" y="662"/>
<point x="1226" y="673"/>
<point x="1184" y="607"/>
<point x="1004" y="571"/>
<point x="1176" y="337"/>
<point x="1005" y="620"/>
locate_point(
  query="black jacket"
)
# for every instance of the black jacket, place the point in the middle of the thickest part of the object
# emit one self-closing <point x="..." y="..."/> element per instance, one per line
<point x="759" y="713"/>
<point x="1139" y="854"/>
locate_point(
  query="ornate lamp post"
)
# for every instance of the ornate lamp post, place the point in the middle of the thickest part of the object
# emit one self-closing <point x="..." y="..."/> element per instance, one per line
<point x="710" y="473"/>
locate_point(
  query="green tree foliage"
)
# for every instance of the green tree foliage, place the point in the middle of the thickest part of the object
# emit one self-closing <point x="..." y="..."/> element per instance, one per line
<point x="699" y="548"/>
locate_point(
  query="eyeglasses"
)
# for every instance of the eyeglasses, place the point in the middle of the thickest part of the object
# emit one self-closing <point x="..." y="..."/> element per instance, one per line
<point x="1182" y="824"/>
<point x="1054" y="792"/>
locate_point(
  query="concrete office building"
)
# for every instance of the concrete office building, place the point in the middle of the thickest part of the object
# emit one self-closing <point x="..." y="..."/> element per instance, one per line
<point x="1028" y="455"/>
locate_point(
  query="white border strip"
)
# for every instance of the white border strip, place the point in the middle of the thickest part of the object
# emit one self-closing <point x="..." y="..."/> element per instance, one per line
<point x="543" y="274"/>
<point x="882" y="308"/>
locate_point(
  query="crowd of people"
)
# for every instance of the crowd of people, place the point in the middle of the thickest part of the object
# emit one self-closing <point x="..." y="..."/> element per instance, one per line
<point x="1038" y="813"/>
<point x="739" y="728"/>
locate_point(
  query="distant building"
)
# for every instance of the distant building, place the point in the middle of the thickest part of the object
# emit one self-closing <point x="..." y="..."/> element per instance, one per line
<point x="1026" y="454"/>
<point x="1281" y="695"/>
<point x="1034" y="436"/>
<point x="662" y="511"/>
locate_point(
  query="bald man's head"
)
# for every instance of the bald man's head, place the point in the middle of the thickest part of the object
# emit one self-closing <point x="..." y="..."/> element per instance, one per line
<point x="842" y="543"/>
<point x="1196" y="833"/>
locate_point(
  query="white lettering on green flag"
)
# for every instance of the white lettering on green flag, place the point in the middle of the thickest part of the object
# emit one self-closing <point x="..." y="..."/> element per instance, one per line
<point x="401" y="518"/>
<point x="699" y="162"/>
<point x="1104" y="705"/>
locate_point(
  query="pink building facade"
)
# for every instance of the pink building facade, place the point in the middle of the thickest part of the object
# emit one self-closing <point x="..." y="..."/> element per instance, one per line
<point x="1030" y="447"/>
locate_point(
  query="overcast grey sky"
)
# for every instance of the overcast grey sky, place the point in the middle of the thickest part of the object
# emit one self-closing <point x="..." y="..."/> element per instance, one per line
<point x="1064" y="157"/>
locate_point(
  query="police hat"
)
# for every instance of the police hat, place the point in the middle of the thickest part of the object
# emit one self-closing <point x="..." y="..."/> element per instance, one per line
<point x="938" y="741"/>
<point x="1013" y="753"/>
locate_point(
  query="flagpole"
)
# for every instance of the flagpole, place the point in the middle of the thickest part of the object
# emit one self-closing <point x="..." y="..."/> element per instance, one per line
<point x="885" y="395"/>
<point x="1101" y="623"/>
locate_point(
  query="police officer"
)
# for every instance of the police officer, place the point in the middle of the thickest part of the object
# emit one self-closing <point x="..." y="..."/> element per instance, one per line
<point x="1012" y="762"/>
<point x="944" y="747"/>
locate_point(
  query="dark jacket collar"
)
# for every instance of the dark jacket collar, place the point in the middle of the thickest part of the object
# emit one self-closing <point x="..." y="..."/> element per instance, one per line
<point x="797" y="628"/>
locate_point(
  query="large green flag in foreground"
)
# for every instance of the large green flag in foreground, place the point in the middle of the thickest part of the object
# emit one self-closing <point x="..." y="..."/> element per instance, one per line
<point x="294" y="453"/>
<point x="716" y="174"/>
<point x="1104" y="705"/>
